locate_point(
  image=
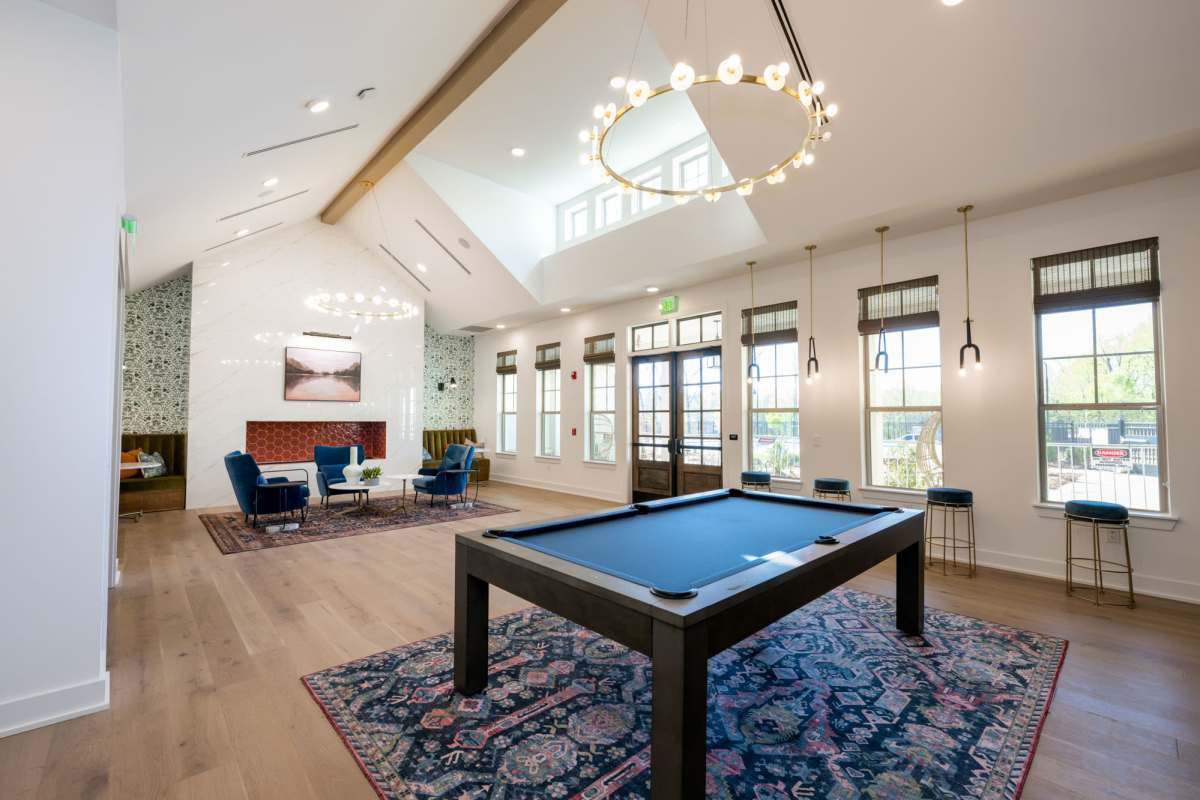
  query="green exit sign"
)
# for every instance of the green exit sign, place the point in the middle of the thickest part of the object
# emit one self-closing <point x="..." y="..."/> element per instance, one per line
<point x="668" y="305"/>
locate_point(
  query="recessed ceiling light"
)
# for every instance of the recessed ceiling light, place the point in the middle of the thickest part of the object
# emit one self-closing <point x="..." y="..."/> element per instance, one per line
<point x="951" y="3"/>
<point x="317" y="106"/>
<point x="269" y="182"/>
<point x="565" y="310"/>
<point x="501" y="327"/>
<point x="617" y="82"/>
<point x="224" y="263"/>
<point x="422" y="267"/>
<point x="242" y="232"/>
<point x="518" y="151"/>
<point x="651" y="289"/>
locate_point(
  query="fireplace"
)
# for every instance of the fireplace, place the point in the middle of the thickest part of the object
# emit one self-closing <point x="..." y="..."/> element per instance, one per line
<point x="288" y="442"/>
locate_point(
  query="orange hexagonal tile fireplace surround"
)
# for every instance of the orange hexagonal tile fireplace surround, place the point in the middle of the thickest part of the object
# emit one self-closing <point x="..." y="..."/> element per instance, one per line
<point x="289" y="442"/>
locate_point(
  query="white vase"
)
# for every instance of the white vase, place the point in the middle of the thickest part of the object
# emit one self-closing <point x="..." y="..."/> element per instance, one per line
<point x="352" y="473"/>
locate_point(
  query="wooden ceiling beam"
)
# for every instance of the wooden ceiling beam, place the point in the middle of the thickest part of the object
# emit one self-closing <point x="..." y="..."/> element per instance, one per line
<point x="519" y="23"/>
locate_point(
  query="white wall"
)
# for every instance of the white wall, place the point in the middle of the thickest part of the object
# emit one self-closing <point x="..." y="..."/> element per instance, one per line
<point x="236" y="377"/>
<point x="990" y="425"/>
<point x="61" y="191"/>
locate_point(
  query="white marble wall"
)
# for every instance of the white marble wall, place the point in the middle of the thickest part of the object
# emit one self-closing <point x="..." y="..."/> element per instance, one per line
<point x="248" y="305"/>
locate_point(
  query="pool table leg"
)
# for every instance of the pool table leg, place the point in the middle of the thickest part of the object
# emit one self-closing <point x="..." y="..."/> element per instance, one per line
<point x="470" y="628"/>
<point x="679" y="707"/>
<point x="910" y="588"/>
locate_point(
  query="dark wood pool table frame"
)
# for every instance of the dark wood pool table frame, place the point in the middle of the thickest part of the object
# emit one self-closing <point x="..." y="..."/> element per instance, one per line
<point x="678" y="635"/>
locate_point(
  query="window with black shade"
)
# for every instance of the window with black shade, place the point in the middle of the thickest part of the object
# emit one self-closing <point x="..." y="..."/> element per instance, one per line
<point x="774" y="402"/>
<point x="506" y="401"/>
<point x="698" y="329"/>
<point x="1100" y="406"/>
<point x="549" y="377"/>
<point x="651" y="336"/>
<point x="902" y="413"/>
<point x="600" y="397"/>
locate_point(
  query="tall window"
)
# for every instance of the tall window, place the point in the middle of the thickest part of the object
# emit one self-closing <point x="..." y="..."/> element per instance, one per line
<point x="600" y="374"/>
<point x="1100" y="408"/>
<point x="651" y="336"/>
<point x="642" y="201"/>
<point x="549" y="374"/>
<point x="691" y="169"/>
<point x="903" y="409"/>
<point x="608" y="209"/>
<point x="775" y="410"/>
<point x="575" y="222"/>
<point x="703" y="328"/>
<point x="506" y="401"/>
<point x="773" y="407"/>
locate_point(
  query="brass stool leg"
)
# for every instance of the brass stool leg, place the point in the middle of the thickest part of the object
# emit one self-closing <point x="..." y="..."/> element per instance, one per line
<point x="954" y="534"/>
<point x="1070" y="566"/>
<point x="971" y="537"/>
<point x="1097" y="567"/>
<point x="1128" y="562"/>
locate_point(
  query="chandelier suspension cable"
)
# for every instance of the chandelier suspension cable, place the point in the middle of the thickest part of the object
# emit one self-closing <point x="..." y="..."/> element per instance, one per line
<point x="813" y="368"/>
<point x="752" y="372"/>
<point x="882" y="353"/>
<point x="970" y="345"/>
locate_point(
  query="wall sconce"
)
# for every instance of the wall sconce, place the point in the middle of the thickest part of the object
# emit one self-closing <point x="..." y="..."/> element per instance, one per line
<point x="452" y="385"/>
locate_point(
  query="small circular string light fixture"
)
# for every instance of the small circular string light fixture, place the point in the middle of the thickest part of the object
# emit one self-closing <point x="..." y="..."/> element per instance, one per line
<point x="970" y="345"/>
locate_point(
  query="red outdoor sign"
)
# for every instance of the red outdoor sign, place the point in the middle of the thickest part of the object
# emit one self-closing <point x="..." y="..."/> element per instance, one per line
<point x="1110" y="452"/>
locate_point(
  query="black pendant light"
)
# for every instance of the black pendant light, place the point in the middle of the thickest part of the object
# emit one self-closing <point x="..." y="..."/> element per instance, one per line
<point x="881" y="354"/>
<point x="813" y="370"/>
<point x="970" y="345"/>
<point x="752" y="372"/>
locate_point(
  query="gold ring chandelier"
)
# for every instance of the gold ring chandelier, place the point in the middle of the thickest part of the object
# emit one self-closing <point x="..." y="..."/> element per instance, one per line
<point x="729" y="73"/>
<point x="360" y="306"/>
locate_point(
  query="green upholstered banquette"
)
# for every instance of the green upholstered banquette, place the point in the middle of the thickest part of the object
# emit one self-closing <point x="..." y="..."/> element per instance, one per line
<point x="165" y="492"/>
<point x="436" y="442"/>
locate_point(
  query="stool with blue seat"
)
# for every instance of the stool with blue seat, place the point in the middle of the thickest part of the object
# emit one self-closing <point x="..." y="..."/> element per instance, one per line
<point x="951" y="503"/>
<point x="831" y="489"/>
<point x="756" y="479"/>
<point x="1098" y="516"/>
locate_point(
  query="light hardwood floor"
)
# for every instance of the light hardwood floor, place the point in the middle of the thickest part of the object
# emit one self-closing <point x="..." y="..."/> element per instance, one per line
<point x="206" y="652"/>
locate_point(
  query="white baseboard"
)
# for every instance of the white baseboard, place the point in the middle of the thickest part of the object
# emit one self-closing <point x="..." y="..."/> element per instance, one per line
<point x="56" y="705"/>
<point x="517" y="480"/>
<point x="1151" y="585"/>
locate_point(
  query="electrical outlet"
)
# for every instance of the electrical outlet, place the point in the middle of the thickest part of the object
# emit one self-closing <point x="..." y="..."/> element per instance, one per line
<point x="1113" y="537"/>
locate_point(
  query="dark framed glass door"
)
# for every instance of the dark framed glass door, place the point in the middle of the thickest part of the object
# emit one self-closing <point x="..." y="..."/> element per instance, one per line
<point x="676" y="423"/>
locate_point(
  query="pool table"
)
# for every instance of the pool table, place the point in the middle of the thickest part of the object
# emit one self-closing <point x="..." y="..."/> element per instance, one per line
<point x="680" y="580"/>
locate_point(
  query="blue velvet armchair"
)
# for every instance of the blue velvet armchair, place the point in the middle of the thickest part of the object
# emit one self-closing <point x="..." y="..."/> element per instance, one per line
<point x="256" y="493"/>
<point x="450" y="477"/>
<point x="330" y="462"/>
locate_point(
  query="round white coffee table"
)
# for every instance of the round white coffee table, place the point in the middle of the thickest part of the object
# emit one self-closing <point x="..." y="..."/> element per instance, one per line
<point x="367" y="488"/>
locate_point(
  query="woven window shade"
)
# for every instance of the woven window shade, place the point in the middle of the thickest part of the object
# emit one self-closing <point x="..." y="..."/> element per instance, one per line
<point x="548" y="356"/>
<point x="506" y="362"/>
<point x="600" y="349"/>
<point x="1097" y="276"/>
<point x="772" y="324"/>
<point x="902" y="305"/>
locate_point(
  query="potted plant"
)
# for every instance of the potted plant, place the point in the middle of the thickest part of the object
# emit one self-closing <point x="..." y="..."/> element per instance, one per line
<point x="370" y="475"/>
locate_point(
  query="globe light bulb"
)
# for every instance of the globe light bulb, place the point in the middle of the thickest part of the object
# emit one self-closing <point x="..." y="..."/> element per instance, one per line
<point x="831" y="110"/>
<point x="682" y="77"/>
<point x="817" y="374"/>
<point x="585" y="159"/>
<point x="341" y="297"/>
<point x="681" y="200"/>
<point x="818" y="87"/>
<point x="359" y="297"/>
<point x="393" y="302"/>
<point x="771" y="179"/>
<point x="806" y="93"/>
<point x="745" y="187"/>
<point x="712" y="197"/>
<point x="730" y="70"/>
<point x="808" y="380"/>
<point x="978" y="365"/>
<point x="826" y="136"/>
<point x="610" y="114"/>
<point x="798" y="160"/>
<point x="598" y="111"/>
<point x="775" y="76"/>
<point x="584" y="135"/>
<point x="616" y="82"/>
<point x="377" y="300"/>
<point x="780" y="176"/>
<point x="639" y="93"/>
<point x="961" y="372"/>
<point x="809" y="158"/>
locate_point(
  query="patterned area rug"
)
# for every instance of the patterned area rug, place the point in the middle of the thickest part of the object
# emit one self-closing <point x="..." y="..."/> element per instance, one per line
<point x="829" y="702"/>
<point x="337" y="521"/>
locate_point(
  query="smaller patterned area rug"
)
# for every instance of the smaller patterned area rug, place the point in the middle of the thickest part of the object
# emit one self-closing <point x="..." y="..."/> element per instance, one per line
<point x="338" y="520"/>
<point x="829" y="702"/>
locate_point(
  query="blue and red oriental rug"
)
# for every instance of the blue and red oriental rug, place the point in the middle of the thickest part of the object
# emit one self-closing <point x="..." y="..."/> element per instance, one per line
<point x="829" y="702"/>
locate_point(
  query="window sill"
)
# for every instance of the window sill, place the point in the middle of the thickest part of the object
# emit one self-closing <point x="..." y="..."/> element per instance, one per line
<point x="890" y="495"/>
<point x="552" y="459"/>
<point x="597" y="463"/>
<point x="506" y="453"/>
<point x="1140" y="520"/>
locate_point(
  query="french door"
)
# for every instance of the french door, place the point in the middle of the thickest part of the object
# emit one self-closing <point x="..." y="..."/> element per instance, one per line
<point x="676" y="423"/>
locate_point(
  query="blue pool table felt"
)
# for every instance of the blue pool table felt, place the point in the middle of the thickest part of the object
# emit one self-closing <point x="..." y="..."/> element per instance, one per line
<point x="681" y="548"/>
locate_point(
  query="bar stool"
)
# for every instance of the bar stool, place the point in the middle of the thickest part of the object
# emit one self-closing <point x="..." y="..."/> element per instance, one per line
<point x="1098" y="516"/>
<point x="757" y="479"/>
<point x="831" y="489"/>
<point x="952" y="503"/>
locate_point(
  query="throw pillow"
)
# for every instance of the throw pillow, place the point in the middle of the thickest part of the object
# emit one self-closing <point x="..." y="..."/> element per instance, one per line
<point x="158" y="470"/>
<point x="426" y="455"/>
<point x="130" y="457"/>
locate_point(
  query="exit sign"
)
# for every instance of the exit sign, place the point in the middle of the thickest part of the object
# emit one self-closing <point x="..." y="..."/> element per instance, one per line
<point x="668" y="305"/>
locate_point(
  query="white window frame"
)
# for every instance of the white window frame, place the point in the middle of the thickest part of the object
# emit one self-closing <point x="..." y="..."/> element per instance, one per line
<point x="696" y="154"/>
<point x="570" y="216"/>
<point x="505" y="409"/>
<point x="644" y="201"/>
<point x="603" y="219"/>
<point x="592" y="413"/>
<point x="543" y="415"/>
<point x="752" y="409"/>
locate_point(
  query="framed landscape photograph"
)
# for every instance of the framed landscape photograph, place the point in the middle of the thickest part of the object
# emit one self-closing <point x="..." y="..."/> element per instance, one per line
<point x="310" y="374"/>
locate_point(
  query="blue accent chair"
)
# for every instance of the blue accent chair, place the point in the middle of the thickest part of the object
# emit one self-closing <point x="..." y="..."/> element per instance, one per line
<point x="450" y="477"/>
<point x="330" y="462"/>
<point x="255" y="493"/>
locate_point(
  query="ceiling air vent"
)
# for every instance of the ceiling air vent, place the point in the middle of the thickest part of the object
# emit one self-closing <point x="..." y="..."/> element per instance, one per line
<point x="474" y="329"/>
<point x="445" y="249"/>
<point x="261" y="205"/>
<point x="281" y="145"/>
<point x="243" y="238"/>
<point x="403" y="267"/>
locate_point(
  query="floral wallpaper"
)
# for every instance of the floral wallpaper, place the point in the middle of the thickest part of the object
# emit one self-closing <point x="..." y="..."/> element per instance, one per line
<point x="158" y="328"/>
<point x="449" y="357"/>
